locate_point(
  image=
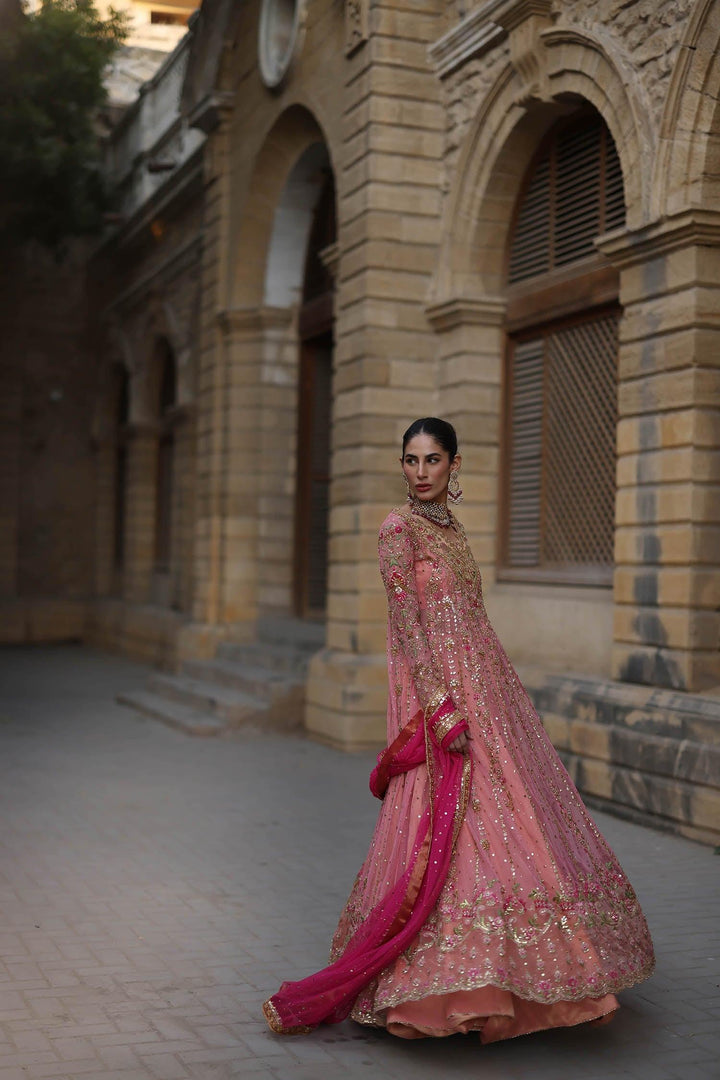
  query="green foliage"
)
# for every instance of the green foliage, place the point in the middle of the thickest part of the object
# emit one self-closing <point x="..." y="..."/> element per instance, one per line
<point x="51" y="88"/>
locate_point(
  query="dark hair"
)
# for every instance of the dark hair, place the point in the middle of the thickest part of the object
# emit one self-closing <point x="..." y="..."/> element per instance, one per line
<point x="441" y="431"/>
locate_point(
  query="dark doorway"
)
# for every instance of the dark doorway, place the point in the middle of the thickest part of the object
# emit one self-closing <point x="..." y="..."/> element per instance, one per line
<point x="165" y="463"/>
<point x="313" y="477"/>
<point x="312" y="499"/>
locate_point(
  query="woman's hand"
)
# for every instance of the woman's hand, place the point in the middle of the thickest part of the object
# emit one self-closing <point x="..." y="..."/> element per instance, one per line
<point x="460" y="743"/>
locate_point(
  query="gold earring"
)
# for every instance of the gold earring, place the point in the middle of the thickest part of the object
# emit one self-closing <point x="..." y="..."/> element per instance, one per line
<point x="454" y="489"/>
<point x="407" y="487"/>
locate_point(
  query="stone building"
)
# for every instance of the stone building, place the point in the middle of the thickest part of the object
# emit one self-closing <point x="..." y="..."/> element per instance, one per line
<point x="337" y="217"/>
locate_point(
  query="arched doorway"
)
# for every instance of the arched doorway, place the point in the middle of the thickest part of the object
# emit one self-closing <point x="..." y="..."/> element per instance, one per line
<point x="296" y="378"/>
<point x="312" y="488"/>
<point x="277" y="340"/>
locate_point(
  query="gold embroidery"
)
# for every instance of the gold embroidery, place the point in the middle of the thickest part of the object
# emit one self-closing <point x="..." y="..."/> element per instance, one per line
<point x="464" y="797"/>
<point x="275" y="1023"/>
<point x="575" y="929"/>
<point x="435" y="702"/>
<point x="443" y="727"/>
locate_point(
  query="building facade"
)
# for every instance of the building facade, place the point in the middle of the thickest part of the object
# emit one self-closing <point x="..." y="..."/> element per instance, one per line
<point x="337" y="217"/>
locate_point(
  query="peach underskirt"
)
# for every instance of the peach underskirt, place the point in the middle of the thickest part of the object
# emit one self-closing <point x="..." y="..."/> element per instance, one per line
<point x="494" y="1014"/>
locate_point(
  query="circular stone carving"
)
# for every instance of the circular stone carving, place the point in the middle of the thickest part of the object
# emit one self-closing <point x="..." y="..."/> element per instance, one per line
<point x="279" y="38"/>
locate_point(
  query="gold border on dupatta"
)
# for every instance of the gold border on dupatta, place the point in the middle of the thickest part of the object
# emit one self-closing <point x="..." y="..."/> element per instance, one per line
<point x="275" y="1023"/>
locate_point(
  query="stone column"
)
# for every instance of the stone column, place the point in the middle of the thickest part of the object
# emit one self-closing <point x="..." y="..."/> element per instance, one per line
<point x="667" y="550"/>
<point x="105" y="483"/>
<point x="389" y="195"/>
<point x="183" y="509"/>
<point x="275" y="436"/>
<point x="140" y="511"/>
<point x="470" y="347"/>
<point x="226" y="546"/>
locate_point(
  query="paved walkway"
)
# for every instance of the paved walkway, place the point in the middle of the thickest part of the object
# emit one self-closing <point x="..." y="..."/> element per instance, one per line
<point x="155" y="888"/>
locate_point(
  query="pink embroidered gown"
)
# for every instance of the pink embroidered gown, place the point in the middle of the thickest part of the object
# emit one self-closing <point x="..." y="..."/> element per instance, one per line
<point x="536" y="926"/>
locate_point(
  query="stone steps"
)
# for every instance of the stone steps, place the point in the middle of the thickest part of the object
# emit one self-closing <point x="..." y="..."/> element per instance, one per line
<point x="252" y="679"/>
<point x="270" y="657"/>
<point x="231" y="705"/>
<point x="172" y="713"/>
<point x="260" y="683"/>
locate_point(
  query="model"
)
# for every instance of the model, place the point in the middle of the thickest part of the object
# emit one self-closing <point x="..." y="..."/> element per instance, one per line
<point x="489" y="901"/>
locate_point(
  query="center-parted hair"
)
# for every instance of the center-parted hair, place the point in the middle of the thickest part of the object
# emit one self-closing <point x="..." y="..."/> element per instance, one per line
<point x="440" y="430"/>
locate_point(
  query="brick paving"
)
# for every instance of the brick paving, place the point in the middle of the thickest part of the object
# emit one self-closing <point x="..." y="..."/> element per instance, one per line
<point x="154" y="888"/>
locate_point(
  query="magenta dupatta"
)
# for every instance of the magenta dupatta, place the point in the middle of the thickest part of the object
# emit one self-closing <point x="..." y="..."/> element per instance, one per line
<point x="328" y="996"/>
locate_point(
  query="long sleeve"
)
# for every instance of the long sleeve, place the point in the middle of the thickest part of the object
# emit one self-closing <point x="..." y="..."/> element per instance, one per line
<point x="397" y="558"/>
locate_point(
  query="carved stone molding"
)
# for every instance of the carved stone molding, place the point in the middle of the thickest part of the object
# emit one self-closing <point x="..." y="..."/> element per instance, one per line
<point x="525" y="21"/>
<point x="253" y="320"/>
<point x="473" y="36"/>
<point x="456" y="311"/>
<point x="513" y="13"/>
<point x="356" y="25"/>
<point x="207" y="114"/>
<point x="625" y="247"/>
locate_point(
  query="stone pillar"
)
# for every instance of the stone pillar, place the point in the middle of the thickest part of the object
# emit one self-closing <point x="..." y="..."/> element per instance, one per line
<point x="667" y="549"/>
<point x="470" y="347"/>
<point x="223" y="543"/>
<point x="226" y="550"/>
<point x="389" y="196"/>
<point x="140" y="511"/>
<point x="105" y="482"/>
<point x="275" y="436"/>
<point x="183" y="508"/>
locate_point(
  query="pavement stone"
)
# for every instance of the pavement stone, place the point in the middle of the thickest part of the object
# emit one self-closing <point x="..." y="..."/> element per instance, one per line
<point x="155" y="888"/>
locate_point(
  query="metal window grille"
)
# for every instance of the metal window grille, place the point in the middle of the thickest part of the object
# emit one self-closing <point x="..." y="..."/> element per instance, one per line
<point x="562" y="448"/>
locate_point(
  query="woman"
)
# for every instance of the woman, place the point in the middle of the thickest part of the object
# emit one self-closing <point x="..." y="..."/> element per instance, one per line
<point x="489" y="901"/>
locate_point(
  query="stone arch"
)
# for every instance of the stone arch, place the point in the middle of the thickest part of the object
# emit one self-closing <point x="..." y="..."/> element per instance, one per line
<point x="291" y="225"/>
<point x="262" y="329"/>
<point x="503" y="138"/>
<point x="566" y="70"/>
<point x="159" y="322"/>
<point x="280" y="184"/>
<point x="687" y="169"/>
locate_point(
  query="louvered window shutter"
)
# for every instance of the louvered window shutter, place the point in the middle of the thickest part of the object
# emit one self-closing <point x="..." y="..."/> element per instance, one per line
<point x="526" y="450"/>
<point x="561" y="380"/>
<point x="575" y="193"/>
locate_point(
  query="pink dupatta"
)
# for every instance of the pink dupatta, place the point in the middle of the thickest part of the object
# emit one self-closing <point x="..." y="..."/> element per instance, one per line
<point x="328" y="996"/>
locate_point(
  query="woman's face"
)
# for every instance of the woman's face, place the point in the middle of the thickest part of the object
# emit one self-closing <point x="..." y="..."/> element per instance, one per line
<point x="427" y="468"/>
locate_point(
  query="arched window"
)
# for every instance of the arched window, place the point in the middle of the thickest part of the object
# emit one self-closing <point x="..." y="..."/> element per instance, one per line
<point x="558" y="477"/>
<point x="122" y="416"/>
<point x="166" y="454"/>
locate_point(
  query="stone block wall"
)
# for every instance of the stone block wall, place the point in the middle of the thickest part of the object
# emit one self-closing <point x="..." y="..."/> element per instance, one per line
<point x="389" y="198"/>
<point x="648" y="754"/>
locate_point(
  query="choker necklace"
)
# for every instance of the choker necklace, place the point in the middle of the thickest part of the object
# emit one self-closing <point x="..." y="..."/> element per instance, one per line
<point x="433" y="511"/>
